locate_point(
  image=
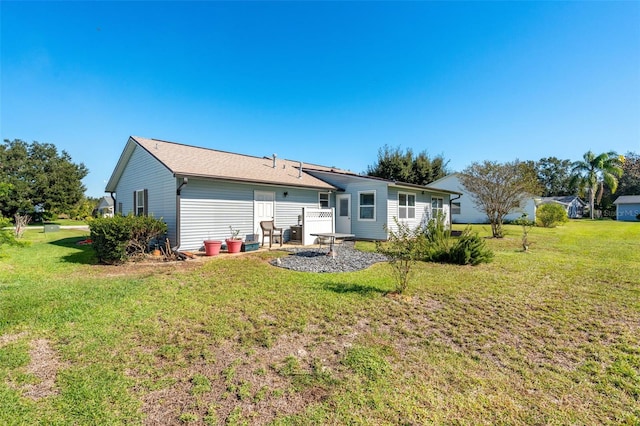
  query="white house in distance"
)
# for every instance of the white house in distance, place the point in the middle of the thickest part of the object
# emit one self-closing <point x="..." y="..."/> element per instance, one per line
<point x="628" y="208"/>
<point x="199" y="193"/>
<point x="464" y="210"/>
<point x="574" y="205"/>
<point x="105" y="207"/>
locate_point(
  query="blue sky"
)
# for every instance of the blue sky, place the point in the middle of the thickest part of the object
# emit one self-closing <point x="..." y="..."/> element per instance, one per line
<point x="323" y="82"/>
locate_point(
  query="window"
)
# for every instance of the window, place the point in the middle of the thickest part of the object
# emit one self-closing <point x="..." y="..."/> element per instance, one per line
<point x="406" y="206"/>
<point x="120" y="208"/>
<point x="140" y="202"/>
<point x="455" y="208"/>
<point x="367" y="205"/>
<point x="323" y="199"/>
<point x="437" y="207"/>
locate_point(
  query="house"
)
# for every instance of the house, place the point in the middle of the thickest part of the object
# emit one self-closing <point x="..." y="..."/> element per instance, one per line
<point x="573" y="204"/>
<point x="105" y="207"/>
<point x="200" y="193"/>
<point x="464" y="210"/>
<point x="628" y="207"/>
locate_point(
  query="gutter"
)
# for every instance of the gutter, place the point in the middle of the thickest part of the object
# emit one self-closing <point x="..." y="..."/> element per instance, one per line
<point x="178" y="191"/>
<point x="451" y="200"/>
<point x="114" y="202"/>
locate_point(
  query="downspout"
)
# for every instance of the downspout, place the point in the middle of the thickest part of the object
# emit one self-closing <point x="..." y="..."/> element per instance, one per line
<point x="451" y="200"/>
<point x="178" y="191"/>
<point x="114" y="202"/>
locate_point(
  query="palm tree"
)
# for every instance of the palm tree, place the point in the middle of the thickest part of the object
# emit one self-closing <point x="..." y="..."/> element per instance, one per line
<point x="594" y="171"/>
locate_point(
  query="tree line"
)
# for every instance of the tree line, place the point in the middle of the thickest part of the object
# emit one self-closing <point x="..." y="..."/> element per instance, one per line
<point x="38" y="180"/>
<point x="37" y="177"/>
<point x="498" y="188"/>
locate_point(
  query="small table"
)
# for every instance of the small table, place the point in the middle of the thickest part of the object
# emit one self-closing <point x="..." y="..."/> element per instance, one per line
<point x="333" y="236"/>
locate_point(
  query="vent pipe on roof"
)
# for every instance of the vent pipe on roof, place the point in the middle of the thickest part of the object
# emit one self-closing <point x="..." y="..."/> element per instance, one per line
<point x="300" y="170"/>
<point x="274" y="160"/>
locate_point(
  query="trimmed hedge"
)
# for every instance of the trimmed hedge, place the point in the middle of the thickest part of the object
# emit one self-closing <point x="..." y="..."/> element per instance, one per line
<point x="119" y="238"/>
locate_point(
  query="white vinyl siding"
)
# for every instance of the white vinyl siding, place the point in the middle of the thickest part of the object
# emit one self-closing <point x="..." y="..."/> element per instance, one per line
<point x="406" y="206"/>
<point x="144" y="171"/>
<point x="209" y="207"/>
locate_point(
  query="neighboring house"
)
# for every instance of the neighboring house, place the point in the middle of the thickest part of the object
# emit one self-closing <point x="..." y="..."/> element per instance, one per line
<point x="627" y="207"/>
<point x="573" y="204"/>
<point x="201" y="192"/>
<point x="464" y="210"/>
<point x="105" y="207"/>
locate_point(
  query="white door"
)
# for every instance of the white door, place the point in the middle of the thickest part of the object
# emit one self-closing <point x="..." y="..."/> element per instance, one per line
<point x="343" y="213"/>
<point x="263" y="209"/>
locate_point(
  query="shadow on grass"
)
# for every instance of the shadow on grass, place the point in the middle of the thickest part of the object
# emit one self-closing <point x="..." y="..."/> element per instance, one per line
<point x="365" y="290"/>
<point x="84" y="253"/>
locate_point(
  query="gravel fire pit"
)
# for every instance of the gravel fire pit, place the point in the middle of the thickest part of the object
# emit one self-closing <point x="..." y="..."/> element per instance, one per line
<point x="347" y="259"/>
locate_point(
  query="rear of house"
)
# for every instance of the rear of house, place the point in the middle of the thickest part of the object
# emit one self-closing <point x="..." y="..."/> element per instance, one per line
<point x="368" y="207"/>
<point x="628" y="208"/>
<point x="201" y="194"/>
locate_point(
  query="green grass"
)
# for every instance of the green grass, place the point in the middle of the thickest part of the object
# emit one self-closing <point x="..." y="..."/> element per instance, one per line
<point x="551" y="336"/>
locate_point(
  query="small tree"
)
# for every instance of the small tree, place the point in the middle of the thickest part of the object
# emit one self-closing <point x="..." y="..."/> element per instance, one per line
<point x="499" y="189"/>
<point x="403" y="248"/>
<point x="551" y="215"/>
<point x="21" y="222"/>
<point x="526" y="227"/>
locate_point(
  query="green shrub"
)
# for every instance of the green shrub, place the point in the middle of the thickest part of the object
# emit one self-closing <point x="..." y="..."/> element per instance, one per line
<point x="469" y="249"/>
<point x="435" y="241"/>
<point x="116" y="239"/>
<point x="551" y="215"/>
<point x="430" y="243"/>
<point x="6" y="235"/>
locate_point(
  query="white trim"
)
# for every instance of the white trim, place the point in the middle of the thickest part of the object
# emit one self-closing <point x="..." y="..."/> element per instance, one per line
<point x="373" y="219"/>
<point x="328" y="194"/>
<point x="442" y="209"/>
<point x="407" y="206"/>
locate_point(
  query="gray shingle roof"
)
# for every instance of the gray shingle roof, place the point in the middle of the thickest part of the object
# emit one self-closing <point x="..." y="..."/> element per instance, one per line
<point x="192" y="161"/>
<point x="627" y="199"/>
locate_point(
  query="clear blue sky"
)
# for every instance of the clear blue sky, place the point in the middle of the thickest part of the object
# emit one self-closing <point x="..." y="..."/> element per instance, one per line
<point x="323" y="82"/>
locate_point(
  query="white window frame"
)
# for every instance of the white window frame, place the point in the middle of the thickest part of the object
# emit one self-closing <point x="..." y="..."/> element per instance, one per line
<point x="436" y="209"/>
<point x="320" y="200"/>
<point x="361" y="206"/>
<point x="139" y="205"/>
<point x="406" y="210"/>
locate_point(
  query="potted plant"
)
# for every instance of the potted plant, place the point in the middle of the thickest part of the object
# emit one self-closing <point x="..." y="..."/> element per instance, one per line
<point x="234" y="244"/>
<point x="212" y="247"/>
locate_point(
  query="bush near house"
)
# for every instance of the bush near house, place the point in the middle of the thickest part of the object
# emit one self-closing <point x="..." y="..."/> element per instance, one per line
<point x="432" y="243"/>
<point x="117" y="239"/>
<point x="551" y="215"/>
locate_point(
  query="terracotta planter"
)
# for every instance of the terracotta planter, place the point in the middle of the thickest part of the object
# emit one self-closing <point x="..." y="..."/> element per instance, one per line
<point x="234" y="246"/>
<point x="212" y="247"/>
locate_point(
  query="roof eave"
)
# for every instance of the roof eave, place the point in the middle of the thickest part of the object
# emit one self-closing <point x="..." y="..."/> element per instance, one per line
<point x="327" y="187"/>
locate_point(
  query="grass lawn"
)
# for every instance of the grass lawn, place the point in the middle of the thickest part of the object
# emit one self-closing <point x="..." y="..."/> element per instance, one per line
<point x="551" y="336"/>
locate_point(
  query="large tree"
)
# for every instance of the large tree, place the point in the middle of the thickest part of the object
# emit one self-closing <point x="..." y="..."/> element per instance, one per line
<point x="594" y="171"/>
<point x="629" y="183"/>
<point x="554" y="176"/>
<point x="38" y="175"/>
<point x="498" y="189"/>
<point x="404" y="166"/>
